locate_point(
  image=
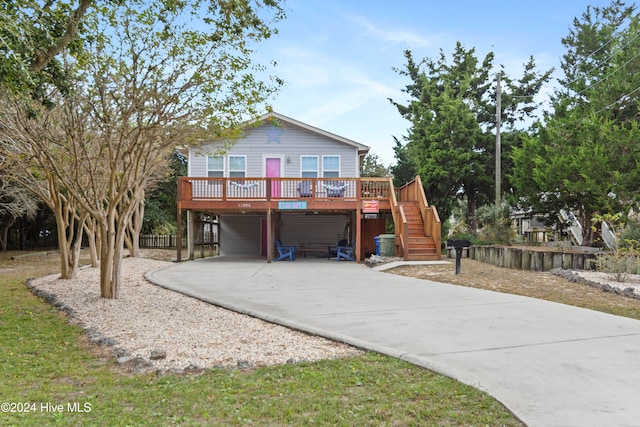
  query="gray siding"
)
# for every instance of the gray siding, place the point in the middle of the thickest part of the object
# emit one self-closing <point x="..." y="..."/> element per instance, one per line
<point x="196" y="164"/>
<point x="294" y="143"/>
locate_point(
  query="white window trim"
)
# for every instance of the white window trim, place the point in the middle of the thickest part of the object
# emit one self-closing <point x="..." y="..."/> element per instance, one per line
<point x="228" y="164"/>
<point x="331" y="170"/>
<point x="317" y="171"/>
<point x="223" y="165"/>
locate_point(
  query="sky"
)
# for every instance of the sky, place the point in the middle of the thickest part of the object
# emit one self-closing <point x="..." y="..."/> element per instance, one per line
<point x="337" y="57"/>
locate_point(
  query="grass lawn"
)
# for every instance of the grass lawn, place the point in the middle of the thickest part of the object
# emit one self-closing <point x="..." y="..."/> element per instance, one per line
<point x="49" y="375"/>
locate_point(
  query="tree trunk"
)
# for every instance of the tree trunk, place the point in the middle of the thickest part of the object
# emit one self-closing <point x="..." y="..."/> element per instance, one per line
<point x="134" y="228"/>
<point x="108" y="287"/>
<point x="113" y="232"/>
<point x="75" y="254"/>
<point x="77" y="244"/>
<point x="471" y="211"/>
<point x="588" y="233"/>
<point x="5" y="234"/>
<point x="63" y="245"/>
<point x="92" y="236"/>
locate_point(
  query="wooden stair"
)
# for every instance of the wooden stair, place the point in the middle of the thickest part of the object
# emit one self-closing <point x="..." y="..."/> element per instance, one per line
<point x="420" y="247"/>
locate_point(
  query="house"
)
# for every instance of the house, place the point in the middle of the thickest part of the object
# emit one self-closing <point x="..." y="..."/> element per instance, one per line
<point x="288" y="181"/>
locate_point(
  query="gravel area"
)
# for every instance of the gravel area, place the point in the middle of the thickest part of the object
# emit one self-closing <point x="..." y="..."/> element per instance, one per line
<point x="152" y="328"/>
<point x="605" y="281"/>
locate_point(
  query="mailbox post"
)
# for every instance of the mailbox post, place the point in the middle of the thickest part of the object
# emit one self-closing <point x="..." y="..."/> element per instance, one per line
<point x="458" y="245"/>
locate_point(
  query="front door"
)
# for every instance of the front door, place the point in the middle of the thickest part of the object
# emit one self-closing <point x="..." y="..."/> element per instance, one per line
<point x="272" y="170"/>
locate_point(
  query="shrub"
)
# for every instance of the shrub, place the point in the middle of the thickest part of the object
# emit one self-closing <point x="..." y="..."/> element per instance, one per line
<point x="495" y="222"/>
<point x="619" y="263"/>
<point x="630" y="236"/>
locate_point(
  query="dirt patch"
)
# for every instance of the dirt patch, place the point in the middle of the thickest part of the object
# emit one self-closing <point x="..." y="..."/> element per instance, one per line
<point x="532" y="284"/>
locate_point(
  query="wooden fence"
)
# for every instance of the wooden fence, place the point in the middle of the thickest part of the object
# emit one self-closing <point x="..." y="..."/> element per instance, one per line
<point x="157" y="241"/>
<point x="530" y="258"/>
<point x="160" y="241"/>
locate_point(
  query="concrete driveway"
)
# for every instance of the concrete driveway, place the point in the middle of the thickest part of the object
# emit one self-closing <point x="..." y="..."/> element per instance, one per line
<point x="551" y="364"/>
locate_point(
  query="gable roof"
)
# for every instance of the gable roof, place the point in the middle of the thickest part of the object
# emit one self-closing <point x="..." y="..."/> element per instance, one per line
<point x="362" y="149"/>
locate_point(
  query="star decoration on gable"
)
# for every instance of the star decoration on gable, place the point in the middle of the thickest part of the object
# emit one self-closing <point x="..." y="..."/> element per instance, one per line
<point x="273" y="134"/>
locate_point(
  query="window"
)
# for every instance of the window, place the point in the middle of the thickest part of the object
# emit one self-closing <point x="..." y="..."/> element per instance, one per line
<point x="215" y="166"/>
<point x="309" y="168"/>
<point x="237" y="166"/>
<point x="330" y="166"/>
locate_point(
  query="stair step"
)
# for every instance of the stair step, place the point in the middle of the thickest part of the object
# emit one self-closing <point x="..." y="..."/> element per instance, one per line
<point x="422" y="247"/>
<point x="420" y="242"/>
<point x="416" y="249"/>
<point x="433" y="257"/>
<point x="419" y="246"/>
<point x="420" y="239"/>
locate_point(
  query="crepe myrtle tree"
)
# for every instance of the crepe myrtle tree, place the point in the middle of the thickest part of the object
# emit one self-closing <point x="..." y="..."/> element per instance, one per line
<point x="153" y="76"/>
<point x="15" y="202"/>
<point x="23" y="137"/>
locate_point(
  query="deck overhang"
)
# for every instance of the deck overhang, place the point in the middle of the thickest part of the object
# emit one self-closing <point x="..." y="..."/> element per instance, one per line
<point x="268" y="196"/>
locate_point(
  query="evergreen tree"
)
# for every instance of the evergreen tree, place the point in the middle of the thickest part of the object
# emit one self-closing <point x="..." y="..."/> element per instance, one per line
<point x="451" y="142"/>
<point x="371" y="166"/>
<point x="584" y="159"/>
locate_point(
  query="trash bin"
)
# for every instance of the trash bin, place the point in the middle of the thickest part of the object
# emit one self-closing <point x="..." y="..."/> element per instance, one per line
<point x="377" y="240"/>
<point x="387" y="244"/>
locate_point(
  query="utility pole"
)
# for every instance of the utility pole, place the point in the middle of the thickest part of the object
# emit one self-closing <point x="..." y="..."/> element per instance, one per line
<point x="498" y="147"/>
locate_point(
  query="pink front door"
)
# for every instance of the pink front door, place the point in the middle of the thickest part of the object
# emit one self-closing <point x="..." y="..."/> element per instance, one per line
<point x="272" y="168"/>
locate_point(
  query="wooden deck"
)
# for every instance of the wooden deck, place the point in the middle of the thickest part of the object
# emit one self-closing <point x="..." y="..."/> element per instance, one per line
<point x="417" y="225"/>
<point x="261" y="194"/>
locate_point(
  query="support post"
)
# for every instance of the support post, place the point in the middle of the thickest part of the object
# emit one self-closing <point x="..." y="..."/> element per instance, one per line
<point x="498" y="144"/>
<point x="190" y="239"/>
<point x="458" y="258"/>
<point x="179" y="236"/>
<point x="202" y="231"/>
<point x="269" y="236"/>
<point x="358" y="241"/>
<point x="458" y="245"/>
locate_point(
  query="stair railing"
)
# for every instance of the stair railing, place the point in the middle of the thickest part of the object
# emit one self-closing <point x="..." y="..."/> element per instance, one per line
<point x="414" y="191"/>
<point x="400" y="220"/>
<point x="404" y="235"/>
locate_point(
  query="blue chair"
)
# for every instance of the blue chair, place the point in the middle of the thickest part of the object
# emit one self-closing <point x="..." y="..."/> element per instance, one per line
<point x="305" y="189"/>
<point x="346" y="253"/>
<point x="333" y="250"/>
<point x="285" y="252"/>
<point x="336" y="189"/>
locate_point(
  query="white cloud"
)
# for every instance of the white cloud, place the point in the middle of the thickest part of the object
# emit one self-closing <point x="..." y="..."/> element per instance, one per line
<point x="406" y="38"/>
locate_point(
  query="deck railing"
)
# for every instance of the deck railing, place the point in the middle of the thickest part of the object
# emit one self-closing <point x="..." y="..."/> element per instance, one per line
<point x="225" y="189"/>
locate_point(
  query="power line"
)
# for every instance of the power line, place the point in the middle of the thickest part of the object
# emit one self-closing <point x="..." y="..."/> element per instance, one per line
<point x="608" y="75"/>
<point x="617" y="101"/>
<point x="588" y="73"/>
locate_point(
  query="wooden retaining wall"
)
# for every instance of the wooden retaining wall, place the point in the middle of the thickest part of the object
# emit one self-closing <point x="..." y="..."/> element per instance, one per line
<point x="532" y="258"/>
